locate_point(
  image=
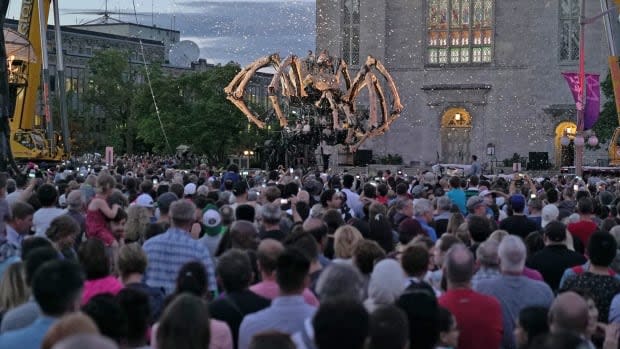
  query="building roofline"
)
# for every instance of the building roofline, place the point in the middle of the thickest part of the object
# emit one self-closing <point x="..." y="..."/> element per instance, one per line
<point x="70" y="29"/>
<point x="122" y="23"/>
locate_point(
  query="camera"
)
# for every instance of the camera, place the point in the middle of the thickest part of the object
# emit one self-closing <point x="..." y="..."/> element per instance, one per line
<point x="283" y="201"/>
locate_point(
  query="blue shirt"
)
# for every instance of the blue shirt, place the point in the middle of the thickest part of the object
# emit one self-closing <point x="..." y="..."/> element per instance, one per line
<point x="29" y="337"/>
<point x="457" y="196"/>
<point x="168" y="252"/>
<point x="430" y="231"/>
<point x="286" y="314"/>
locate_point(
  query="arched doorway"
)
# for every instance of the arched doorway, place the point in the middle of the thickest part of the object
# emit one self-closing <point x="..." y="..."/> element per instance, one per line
<point x="565" y="154"/>
<point x="455" y="136"/>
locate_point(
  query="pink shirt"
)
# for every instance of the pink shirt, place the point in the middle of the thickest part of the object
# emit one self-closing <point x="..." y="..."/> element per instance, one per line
<point x="270" y="290"/>
<point x="221" y="337"/>
<point x="532" y="274"/>
<point x="108" y="284"/>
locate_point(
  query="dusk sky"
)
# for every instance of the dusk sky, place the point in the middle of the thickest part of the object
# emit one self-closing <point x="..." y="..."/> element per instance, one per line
<point x="225" y="30"/>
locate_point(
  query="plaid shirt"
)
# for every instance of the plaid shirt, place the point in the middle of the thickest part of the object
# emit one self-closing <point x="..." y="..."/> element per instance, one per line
<point x="485" y="273"/>
<point x="168" y="252"/>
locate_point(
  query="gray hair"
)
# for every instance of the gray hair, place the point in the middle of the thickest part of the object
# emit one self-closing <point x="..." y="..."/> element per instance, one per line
<point x="271" y="213"/>
<point x="444" y="203"/>
<point x="422" y="206"/>
<point x="182" y="212"/>
<point x="512" y="253"/>
<point x="399" y="204"/>
<point x="487" y="253"/>
<point x="340" y="280"/>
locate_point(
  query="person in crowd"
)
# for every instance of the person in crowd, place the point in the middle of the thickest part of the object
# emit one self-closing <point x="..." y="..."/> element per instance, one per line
<point x="365" y="256"/>
<point x="234" y="273"/>
<point x="386" y="284"/>
<point x="443" y="244"/>
<point x="423" y="213"/>
<point x="341" y="324"/>
<point x="268" y="254"/>
<point x="318" y="229"/>
<point x="48" y="197"/>
<point x="96" y="266"/>
<point x="569" y="315"/>
<point x="488" y="261"/>
<point x="271" y="215"/>
<point x="288" y="311"/>
<point x="389" y="328"/>
<point x="513" y="290"/>
<point x="422" y="313"/>
<point x="131" y="264"/>
<point x="163" y="220"/>
<point x="479" y="317"/>
<point x="108" y="315"/>
<point x="99" y="211"/>
<point x="555" y="257"/>
<point x="408" y="229"/>
<point x="56" y="287"/>
<point x="448" y="330"/>
<point x="441" y="219"/>
<point x="62" y="232"/>
<point x="168" y="252"/>
<point x="403" y="209"/>
<point x="534" y="209"/>
<point x="353" y="199"/>
<point x="457" y="194"/>
<point x="518" y="224"/>
<point x="26" y="313"/>
<point x="138" y="220"/>
<point x="91" y="341"/>
<point x="532" y="323"/>
<point x="135" y="304"/>
<point x="272" y="340"/>
<point x="476" y="206"/>
<point x="414" y="261"/>
<point x="17" y="228"/>
<point x="585" y="226"/>
<point x="67" y="326"/>
<point x="184" y="324"/>
<point x="345" y="239"/>
<point x="596" y="277"/>
<point x="75" y="210"/>
<point x="13" y="288"/>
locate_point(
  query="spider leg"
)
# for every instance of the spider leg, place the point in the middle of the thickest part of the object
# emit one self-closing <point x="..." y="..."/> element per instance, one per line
<point x="235" y="90"/>
<point x="344" y="71"/>
<point x="334" y="108"/>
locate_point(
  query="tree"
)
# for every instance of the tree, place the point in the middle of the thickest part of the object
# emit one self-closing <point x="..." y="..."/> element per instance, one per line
<point x="194" y="111"/>
<point x="111" y="92"/>
<point x="608" y="118"/>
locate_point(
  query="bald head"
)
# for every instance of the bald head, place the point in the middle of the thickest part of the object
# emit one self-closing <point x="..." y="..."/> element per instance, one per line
<point x="91" y="341"/>
<point x="459" y="266"/>
<point x="267" y="255"/>
<point x="569" y="313"/>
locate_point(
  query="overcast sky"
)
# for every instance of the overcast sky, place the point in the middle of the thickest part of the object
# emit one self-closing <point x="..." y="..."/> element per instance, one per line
<point x="225" y="30"/>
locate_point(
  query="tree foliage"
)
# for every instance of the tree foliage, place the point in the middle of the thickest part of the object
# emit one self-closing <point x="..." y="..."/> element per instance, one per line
<point x="608" y="118"/>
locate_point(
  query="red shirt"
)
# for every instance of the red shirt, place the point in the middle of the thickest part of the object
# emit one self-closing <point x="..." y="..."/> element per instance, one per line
<point x="582" y="230"/>
<point x="478" y="317"/>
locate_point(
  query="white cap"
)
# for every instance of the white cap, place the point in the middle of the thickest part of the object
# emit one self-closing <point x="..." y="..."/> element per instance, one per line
<point x="190" y="189"/>
<point x="549" y="213"/>
<point x="145" y="200"/>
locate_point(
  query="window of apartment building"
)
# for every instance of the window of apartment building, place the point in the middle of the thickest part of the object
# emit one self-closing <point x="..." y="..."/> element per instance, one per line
<point x="569" y="30"/>
<point x="460" y="31"/>
<point x="351" y="31"/>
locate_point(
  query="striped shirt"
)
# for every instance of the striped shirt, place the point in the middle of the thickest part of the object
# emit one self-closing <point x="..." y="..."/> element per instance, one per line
<point x="168" y="252"/>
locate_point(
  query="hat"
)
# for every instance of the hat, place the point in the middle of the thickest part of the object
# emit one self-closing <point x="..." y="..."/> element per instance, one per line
<point x="145" y="200"/>
<point x="485" y="193"/>
<point x="165" y="200"/>
<point x="474" y="202"/>
<point x="517" y="202"/>
<point x="549" y="213"/>
<point x="418" y="190"/>
<point x="190" y="189"/>
<point x="212" y="220"/>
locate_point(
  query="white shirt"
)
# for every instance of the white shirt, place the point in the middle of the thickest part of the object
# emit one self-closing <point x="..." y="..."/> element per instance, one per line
<point x="43" y="217"/>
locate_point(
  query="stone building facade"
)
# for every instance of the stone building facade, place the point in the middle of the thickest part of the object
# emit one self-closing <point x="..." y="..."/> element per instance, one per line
<point x="471" y="73"/>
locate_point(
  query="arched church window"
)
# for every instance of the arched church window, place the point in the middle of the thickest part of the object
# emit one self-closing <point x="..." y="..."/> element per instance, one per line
<point x="569" y="30"/>
<point x="460" y="31"/>
<point x="351" y="31"/>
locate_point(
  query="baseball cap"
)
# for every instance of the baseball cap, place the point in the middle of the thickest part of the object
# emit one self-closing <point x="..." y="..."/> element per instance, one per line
<point x="190" y="189"/>
<point x="212" y="220"/>
<point x="474" y="201"/>
<point x="517" y="202"/>
<point x="145" y="200"/>
<point x="165" y="200"/>
<point x="549" y="214"/>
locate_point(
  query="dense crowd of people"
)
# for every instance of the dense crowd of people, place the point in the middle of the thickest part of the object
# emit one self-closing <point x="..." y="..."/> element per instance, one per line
<point x="141" y="254"/>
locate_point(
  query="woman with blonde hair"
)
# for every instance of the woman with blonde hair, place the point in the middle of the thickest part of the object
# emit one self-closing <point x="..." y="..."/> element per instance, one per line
<point x="13" y="288"/>
<point x="455" y="220"/>
<point x="138" y="219"/>
<point x="345" y="239"/>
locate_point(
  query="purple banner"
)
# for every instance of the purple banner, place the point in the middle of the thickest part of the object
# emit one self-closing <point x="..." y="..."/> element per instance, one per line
<point x="593" y="96"/>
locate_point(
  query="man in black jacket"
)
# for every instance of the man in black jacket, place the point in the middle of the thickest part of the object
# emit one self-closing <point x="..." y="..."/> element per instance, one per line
<point x="555" y="257"/>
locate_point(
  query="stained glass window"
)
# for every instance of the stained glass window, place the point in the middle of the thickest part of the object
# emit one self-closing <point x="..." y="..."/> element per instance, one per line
<point x="569" y="30"/>
<point x="351" y="37"/>
<point x="460" y="31"/>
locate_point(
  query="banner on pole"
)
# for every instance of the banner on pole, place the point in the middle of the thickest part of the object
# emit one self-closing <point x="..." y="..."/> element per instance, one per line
<point x="592" y="106"/>
<point x="109" y="155"/>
